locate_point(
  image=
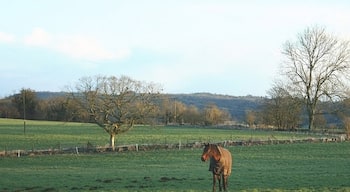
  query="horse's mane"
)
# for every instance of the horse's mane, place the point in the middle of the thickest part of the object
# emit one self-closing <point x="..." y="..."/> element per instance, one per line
<point x="216" y="148"/>
<point x="219" y="149"/>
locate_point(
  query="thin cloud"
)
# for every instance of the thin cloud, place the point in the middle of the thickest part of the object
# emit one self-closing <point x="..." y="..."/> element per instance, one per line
<point x="6" y="37"/>
<point x="77" y="47"/>
<point x="38" y="37"/>
<point x="89" y="48"/>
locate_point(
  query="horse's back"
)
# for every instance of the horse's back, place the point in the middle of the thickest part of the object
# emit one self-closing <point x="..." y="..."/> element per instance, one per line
<point x="226" y="160"/>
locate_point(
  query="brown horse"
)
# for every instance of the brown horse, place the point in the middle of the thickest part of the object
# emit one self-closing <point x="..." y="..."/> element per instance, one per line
<point x="220" y="164"/>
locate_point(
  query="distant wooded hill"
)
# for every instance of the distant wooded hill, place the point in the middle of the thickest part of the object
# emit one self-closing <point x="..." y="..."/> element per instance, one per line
<point x="235" y="105"/>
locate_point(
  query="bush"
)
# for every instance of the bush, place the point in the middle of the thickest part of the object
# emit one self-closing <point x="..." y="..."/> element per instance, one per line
<point x="346" y="122"/>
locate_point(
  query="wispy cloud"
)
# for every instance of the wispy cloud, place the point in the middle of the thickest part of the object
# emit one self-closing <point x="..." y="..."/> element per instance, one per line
<point x="75" y="46"/>
<point x="38" y="37"/>
<point x="6" y="37"/>
<point x="81" y="47"/>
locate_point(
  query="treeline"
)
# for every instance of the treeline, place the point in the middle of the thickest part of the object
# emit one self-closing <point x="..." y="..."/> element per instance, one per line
<point x="280" y="111"/>
<point x="27" y="105"/>
<point x="285" y="112"/>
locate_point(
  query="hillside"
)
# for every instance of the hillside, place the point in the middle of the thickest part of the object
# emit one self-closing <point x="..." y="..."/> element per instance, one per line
<point x="235" y="105"/>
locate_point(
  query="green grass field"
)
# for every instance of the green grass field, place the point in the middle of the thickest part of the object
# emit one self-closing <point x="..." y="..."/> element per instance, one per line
<point x="45" y="135"/>
<point x="288" y="167"/>
<point x="292" y="167"/>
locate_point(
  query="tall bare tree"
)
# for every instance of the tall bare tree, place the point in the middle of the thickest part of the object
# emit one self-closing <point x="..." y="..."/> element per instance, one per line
<point x="316" y="67"/>
<point x="115" y="104"/>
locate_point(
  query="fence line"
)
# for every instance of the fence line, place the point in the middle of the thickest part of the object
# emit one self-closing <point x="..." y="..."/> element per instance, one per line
<point x="175" y="146"/>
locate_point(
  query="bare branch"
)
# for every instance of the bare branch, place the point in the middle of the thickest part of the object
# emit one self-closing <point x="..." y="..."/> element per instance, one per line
<point x="115" y="103"/>
<point x="316" y="66"/>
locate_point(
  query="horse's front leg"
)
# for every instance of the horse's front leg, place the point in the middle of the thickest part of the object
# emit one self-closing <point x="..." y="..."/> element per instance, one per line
<point x="219" y="179"/>
<point x="214" y="182"/>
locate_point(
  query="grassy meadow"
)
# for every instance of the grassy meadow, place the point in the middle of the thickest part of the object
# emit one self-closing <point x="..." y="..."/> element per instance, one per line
<point x="47" y="134"/>
<point x="287" y="167"/>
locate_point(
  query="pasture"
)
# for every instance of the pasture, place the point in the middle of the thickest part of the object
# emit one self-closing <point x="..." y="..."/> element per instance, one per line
<point x="288" y="167"/>
<point x="47" y="134"/>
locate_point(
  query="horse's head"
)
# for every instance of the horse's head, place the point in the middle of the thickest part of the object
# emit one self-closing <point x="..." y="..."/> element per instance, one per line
<point x="206" y="151"/>
<point x="210" y="150"/>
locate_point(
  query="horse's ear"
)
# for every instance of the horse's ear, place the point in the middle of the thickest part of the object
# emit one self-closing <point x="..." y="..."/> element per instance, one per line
<point x="206" y="144"/>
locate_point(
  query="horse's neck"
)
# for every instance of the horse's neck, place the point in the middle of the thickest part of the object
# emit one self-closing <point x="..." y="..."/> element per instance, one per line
<point x="217" y="153"/>
<point x="219" y="149"/>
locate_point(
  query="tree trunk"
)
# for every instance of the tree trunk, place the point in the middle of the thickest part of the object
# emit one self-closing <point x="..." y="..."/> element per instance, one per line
<point x="311" y="122"/>
<point x="311" y="116"/>
<point x="112" y="141"/>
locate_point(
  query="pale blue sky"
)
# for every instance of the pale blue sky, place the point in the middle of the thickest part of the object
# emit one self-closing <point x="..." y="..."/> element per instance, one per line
<point x="218" y="46"/>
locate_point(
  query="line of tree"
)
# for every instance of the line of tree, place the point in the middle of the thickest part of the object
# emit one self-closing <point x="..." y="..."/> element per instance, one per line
<point x="285" y="112"/>
<point x="169" y="111"/>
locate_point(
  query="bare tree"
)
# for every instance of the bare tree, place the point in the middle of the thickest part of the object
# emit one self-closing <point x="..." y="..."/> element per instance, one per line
<point x="26" y="103"/>
<point x="344" y="115"/>
<point x="282" y="110"/>
<point x="316" y="67"/>
<point x="115" y="104"/>
<point x="250" y="118"/>
<point x="193" y="115"/>
<point x="214" y="115"/>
